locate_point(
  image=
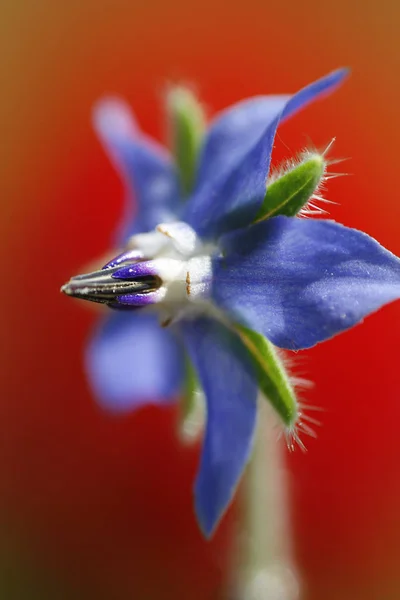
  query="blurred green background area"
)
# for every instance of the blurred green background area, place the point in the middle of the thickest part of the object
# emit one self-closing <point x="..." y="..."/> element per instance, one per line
<point x="98" y="507"/>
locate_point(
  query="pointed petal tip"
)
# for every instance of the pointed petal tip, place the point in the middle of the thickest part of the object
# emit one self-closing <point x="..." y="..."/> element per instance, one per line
<point x="231" y="415"/>
<point x="112" y="116"/>
<point x="206" y="529"/>
<point x="323" y="278"/>
<point x="342" y="72"/>
<point x="207" y="525"/>
<point x="338" y="76"/>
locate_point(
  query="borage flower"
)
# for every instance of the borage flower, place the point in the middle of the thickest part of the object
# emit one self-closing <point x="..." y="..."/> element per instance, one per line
<point x="230" y="271"/>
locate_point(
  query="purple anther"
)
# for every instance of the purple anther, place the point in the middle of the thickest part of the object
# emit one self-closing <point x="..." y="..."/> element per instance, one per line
<point x="136" y="271"/>
<point x="131" y="255"/>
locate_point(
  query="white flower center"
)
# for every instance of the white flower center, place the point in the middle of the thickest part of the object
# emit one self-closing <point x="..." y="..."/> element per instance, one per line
<point x="183" y="264"/>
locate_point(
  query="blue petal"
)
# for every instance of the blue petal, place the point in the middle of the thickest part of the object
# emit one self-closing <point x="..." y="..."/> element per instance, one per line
<point x="300" y="282"/>
<point x="146" y="167"/>
<point x="131" y="361"/>
<point x="235" y="159"/>
<point x="226" y="374"/>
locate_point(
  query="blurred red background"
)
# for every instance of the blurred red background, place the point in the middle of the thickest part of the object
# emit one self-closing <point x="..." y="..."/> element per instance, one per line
<point x="93" y="506"/>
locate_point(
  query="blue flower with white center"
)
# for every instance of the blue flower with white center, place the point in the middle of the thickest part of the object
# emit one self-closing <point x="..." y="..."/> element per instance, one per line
<point x="225" y="272"/>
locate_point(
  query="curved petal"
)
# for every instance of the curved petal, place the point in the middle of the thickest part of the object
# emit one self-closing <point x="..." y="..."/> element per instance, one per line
<point x="300" y="282"/>
<point x="235" y="159"/>
<point x="228" y="380"/>
<point x="131" y="361"/>
<point x="145" y="166"/>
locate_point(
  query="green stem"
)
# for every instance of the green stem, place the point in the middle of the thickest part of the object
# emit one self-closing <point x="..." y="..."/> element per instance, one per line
<point x="265" y="570"/>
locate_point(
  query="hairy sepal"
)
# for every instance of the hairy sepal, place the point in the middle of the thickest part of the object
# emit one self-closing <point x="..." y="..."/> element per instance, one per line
<point x="192" y="407"/>
<point x="186" y="126"/>
<point x="293" y="186"/>
<point x="273" y="379"/>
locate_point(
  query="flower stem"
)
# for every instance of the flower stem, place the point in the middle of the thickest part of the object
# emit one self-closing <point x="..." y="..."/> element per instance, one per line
<point x="265" y="569"/>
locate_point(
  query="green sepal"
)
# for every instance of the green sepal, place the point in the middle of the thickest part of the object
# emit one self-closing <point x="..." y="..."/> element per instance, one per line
<point x="186" y="126"/>
<point x="289" y="193"/>
<point x="192" y="406"/>
<point x="271" y="374"/>
<point x="191" y="385"/>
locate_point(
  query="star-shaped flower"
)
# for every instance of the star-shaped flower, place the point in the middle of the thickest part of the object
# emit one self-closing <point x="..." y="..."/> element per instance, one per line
<point x="228" y="270"/>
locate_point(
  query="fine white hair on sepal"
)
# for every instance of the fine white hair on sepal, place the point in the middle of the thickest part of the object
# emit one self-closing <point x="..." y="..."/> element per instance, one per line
<point x="313" y="207"/>
<point x="301" y="382"/>
<point x="304" y="424"/>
